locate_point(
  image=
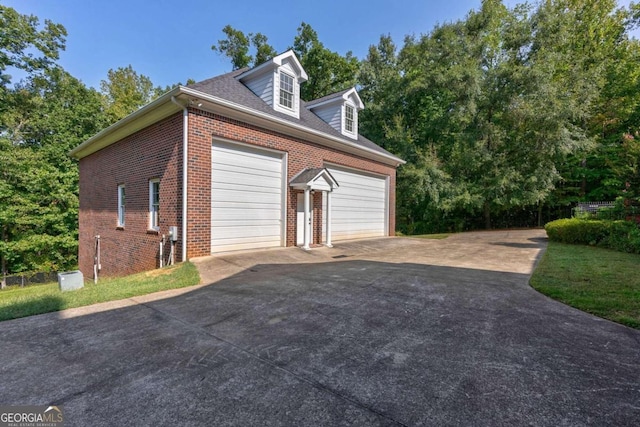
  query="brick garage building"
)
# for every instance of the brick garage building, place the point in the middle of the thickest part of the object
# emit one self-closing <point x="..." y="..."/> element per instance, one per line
<point x="262" y="169"/>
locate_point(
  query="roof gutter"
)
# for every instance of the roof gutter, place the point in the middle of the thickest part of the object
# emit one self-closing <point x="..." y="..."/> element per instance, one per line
<point x="185" y="145"/>
<point x="76" y="152"/>
<point x="181" y="90"/>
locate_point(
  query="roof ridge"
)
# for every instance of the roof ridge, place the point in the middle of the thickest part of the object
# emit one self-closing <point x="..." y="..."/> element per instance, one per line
<point x="327" y="97"/>
<point x="233" y="73"/>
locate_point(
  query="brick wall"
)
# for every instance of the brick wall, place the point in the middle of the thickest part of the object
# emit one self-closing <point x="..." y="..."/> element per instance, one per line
<point x="154" y="152"/>
<point x="204" y="126"/>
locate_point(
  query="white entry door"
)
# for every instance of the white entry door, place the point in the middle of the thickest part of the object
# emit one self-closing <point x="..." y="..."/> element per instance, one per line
<point x="300" y="220"/>
<point x="247" y="202"/>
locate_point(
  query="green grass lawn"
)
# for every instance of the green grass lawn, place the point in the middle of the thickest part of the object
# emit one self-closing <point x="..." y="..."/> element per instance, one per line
<point x="599" y="281"/>
<point x="432" y="236"/>
<point x="20" y="302"/>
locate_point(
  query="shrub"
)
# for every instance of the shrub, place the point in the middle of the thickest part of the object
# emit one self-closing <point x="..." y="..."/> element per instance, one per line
<point x="576" y="231"/>
<point x="623" y="236"/>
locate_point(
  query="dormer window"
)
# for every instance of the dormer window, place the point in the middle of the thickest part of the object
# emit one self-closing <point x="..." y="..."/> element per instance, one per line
<point x="277" y="83"/>
<point x="340" y="111"/>
<point x="286" y="90"/>
<point x="349" y="117"/>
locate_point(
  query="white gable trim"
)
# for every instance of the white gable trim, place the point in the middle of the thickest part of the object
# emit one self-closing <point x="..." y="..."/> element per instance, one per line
<point x="264" y="81"/>
<point x="329" y="110"/>
<point x="351" y="94"/>
<point x="278" y="61"/>
<point x="322" y="181"/>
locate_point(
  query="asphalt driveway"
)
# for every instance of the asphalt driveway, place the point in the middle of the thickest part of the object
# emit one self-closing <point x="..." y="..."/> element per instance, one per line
<point x="379" y="332"/>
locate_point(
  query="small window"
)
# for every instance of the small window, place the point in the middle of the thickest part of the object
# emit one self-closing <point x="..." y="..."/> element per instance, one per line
<point x="154" y="204"/>
<point x="286" y="90"/>
<point x="121" y="204"/>
<point x="349" y="118"/>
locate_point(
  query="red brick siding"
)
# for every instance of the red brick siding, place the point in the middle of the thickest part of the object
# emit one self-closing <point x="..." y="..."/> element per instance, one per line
<point x="317" y="218"/>
<point x="199" y="190"/>
<point x="154" y="152"/>
<point x="205" y="126"/>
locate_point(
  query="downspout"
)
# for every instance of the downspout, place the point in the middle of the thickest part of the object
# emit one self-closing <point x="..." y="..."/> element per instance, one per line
<point x="185" y="140"/>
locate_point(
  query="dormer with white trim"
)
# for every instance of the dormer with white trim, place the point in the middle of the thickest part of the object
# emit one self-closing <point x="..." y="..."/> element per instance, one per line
<point x="277" y="82"/>
<point x="340" y="110"/>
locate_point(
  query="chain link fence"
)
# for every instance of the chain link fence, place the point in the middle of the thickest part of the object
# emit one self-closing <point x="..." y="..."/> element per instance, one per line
<point x="628" y="210"/>
<point x="29" y="279"/>
<point x="593" y="207"/>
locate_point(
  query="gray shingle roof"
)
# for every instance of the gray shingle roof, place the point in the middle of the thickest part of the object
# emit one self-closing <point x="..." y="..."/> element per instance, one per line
<point x="227" y="87"/>
<point x="306" y="175"/>
<point x="328" y="97"/>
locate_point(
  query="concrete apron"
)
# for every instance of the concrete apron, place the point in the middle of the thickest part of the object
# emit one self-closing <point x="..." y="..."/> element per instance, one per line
<point x="514" y="251"/>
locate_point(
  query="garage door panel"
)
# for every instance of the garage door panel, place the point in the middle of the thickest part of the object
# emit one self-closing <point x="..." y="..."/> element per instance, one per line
<point x="247" y="173"/>
<point x="231" y="151"/>
<point x="359" y="185"/>
<point x="246" y="176"/>
<point x="352" y="203"/>
<point x="237" y="244"/>
<point x="240" y="244"/>
<point x="367" y="193"/>
<point x="268" y="213"/>
<point x="258" y="232"/>
<point x="246" y="198"/>
<point x="359" y="205"/>
<point x="245" y="195"/>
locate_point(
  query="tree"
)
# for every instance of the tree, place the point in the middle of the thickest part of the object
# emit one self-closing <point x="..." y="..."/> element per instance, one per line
<point x="125" y="91"/>
<point x="485" y="110"/>
<point x="41" y="118"/>
<point x="38" y="212"/>
<point x="328" y="71"/>
<point x="237" y="45"/>
<point x="50" y="114"/>
<point x="264" y="51"/>
<point x="26" y="46"/>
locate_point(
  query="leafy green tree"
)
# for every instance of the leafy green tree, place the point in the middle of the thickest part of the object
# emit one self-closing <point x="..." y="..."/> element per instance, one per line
<point x="51" y="113"/>
<point x="328" y="71"/>
<point x="264" y="51"/>
<point x="237" y="44"/>
<point x="38" y="211"/>
<point x="125" y="91"/>
<point x="41" y="119"/>
<point x="235" y="47"/>
<point x="615" y="119"/>
<point x="25" y="45"/>
<point x="487" y="108"/>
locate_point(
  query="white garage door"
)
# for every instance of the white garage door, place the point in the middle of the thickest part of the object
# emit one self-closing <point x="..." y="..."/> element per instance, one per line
<point x="359" y="205"/>
<point x="247" y="201"/>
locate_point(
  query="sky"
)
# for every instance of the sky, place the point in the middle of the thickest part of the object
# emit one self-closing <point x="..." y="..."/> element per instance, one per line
<point x="170" y="40"/>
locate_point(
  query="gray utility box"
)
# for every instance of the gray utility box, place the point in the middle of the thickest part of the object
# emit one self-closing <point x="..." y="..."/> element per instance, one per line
<point x="71" y="280"/>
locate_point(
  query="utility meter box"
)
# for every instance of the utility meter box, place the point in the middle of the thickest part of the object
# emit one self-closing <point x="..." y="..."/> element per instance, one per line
<point x="70" y="281"/>
<point x="173" y="233"/>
